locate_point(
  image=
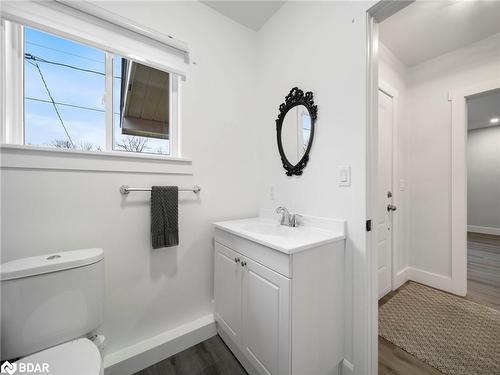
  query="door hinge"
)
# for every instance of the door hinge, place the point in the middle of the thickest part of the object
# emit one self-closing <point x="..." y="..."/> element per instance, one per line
<point x="368" y="225"/>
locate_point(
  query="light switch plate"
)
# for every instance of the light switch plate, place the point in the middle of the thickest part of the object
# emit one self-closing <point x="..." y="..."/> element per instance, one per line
<point x="344" y="175"/>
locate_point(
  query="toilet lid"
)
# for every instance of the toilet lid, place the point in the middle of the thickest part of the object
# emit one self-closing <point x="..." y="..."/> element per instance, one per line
<point x="78" y="357"/>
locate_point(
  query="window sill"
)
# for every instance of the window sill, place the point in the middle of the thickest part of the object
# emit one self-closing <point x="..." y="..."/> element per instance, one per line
<point x="33" y="157"/>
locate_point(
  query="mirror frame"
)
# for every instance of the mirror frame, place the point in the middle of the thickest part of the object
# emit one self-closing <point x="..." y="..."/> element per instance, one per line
<point x="294" y="98"/>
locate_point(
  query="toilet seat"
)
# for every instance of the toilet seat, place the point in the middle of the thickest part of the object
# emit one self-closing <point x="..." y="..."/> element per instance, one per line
<point x="77" y="357"/>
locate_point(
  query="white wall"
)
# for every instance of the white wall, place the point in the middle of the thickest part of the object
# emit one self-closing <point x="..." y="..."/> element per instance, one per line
<point x="149" y="292"/>
<point x="230" y="104"/>
<point x="483" y="178"/>
<point x="394" y="73"/>
<point x="425" y="151"/>
<point x="430" y="130"/>
<point x="320" y="47"/>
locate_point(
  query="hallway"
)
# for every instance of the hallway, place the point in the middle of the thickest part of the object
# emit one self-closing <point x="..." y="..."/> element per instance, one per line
<point x="483" y="283"/>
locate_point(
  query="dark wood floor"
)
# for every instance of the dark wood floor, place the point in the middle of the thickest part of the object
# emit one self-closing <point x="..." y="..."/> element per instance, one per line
<point x="483" y="269"/>
<point x="210" y="357"/>
<point x="483" y="286"/>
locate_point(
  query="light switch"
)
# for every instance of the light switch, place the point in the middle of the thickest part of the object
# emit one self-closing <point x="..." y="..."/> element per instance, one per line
<point x="344" y="176"/>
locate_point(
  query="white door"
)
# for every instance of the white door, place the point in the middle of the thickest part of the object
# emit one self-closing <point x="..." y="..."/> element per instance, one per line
<point x="266" y="319"/>
<point x="384" y="198"/>
<point x="227" y="291"/>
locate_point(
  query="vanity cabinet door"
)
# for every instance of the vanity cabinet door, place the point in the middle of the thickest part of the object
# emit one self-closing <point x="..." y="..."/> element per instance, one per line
<point x="227" y="291"/>
<point x="266" y="319"/>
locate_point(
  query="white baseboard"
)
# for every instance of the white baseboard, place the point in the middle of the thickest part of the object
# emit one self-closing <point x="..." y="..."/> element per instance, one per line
<point x="384" y="292"/>
<point x="401" y="277"/>
<point x="136" y="357"/>
<point x="346" y="367"/>
<point x="483" y="230"/>
<point x="431" y="279"/>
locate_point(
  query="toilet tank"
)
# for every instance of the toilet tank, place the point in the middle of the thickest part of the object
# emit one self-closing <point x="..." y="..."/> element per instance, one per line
<point x="50" y="299"/>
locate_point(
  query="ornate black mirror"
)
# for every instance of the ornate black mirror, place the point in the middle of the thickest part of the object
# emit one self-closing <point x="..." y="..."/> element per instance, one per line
<point x="295" y="130"/>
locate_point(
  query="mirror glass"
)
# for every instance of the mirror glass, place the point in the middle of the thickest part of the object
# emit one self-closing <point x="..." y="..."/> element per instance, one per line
<point x="295" y="133"/>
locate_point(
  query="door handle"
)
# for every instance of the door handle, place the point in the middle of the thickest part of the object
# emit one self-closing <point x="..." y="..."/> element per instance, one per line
<point x="391" y="207"/>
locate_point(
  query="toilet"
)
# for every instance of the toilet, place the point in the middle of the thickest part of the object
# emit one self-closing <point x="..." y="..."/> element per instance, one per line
<point x="51" y="305"/>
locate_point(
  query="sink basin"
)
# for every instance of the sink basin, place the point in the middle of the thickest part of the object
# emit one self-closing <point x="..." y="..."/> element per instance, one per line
<point x="286" y="239"/>
<point x="264" y="227"/>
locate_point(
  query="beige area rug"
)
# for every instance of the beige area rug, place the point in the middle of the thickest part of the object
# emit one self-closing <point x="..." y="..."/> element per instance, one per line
<point x="452" y="334"/>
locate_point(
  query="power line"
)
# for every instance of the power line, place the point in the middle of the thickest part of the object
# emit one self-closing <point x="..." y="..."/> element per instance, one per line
<point x="65" y="52"/>
<point x="69" y="105"/>
<point x="29" y="56"/>
<point x="66" y="104"/>
<point x="53" y="102"/>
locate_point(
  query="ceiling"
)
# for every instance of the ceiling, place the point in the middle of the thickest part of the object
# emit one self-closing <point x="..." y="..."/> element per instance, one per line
<point x="427" y="29"/>
<point x="482" y="108"/>
<point x="252" y="14"/>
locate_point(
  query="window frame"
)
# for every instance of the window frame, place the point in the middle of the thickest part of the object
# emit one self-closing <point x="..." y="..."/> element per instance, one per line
<point x="12" y="70"/>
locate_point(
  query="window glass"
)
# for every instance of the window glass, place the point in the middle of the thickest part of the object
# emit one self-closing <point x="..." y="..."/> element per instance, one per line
<point x="141" y="110"/>
<point x="64" y="85"/>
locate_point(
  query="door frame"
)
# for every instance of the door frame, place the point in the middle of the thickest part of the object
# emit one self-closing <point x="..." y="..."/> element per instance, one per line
<point x="376" y="14"/>
<point x="396" y="200"/>
<point x="458" y="100"/>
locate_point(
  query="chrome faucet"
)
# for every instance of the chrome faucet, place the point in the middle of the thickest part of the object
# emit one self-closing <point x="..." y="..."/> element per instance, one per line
<point x="287" y="218"/>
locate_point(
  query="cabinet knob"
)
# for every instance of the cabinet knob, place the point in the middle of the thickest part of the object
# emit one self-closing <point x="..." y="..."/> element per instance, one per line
<point x="243" y="264"/>
<point x="236" y="260"/>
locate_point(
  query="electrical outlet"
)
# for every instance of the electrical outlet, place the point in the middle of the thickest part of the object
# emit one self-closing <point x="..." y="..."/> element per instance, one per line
<point x="402" y="185"/>
<point x="271" y="192"/>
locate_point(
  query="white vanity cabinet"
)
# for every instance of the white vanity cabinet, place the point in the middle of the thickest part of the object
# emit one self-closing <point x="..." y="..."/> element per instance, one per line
<point x="280" y="312"/>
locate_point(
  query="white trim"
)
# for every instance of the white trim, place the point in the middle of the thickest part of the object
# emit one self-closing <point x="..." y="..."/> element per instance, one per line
<point x="108" y="99"/>
<point x="401" y="277"/>
<point x="61" y="20"/>
<point x="346" y="367"/>
<point x="459" y="182"/>
<point x="98" y="12"/>
<point x="174" y="111"/>
<point x="136" y="357"/>
<point x="365" y="346"/>
<point x="12" y="100"/>
<point x="431" y="279"/>
<point x="483" y="230"/>
<point x="386" y="290"/>
<point x="32" y="157"/>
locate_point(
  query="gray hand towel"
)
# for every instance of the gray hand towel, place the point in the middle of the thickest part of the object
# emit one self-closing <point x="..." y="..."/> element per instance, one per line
<point x="164" y="216"/>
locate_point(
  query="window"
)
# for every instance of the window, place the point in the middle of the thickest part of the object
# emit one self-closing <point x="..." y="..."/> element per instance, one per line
<point x="64" y="88"/>
<point x="140" y="107"/>
<point x="78" y="97"/>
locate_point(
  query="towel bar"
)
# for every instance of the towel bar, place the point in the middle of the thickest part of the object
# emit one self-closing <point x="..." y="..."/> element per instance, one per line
<point x="125" y="189"/>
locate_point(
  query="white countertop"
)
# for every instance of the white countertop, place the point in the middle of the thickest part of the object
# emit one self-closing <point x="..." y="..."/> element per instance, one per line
<point x="288" y="240"/>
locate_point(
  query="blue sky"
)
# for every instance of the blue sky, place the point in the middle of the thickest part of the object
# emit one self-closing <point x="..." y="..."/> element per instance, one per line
<point x="69" y="86"/>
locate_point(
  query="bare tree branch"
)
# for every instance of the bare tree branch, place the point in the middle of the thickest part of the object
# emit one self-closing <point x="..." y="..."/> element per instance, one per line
<point x="133" y="144"/>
